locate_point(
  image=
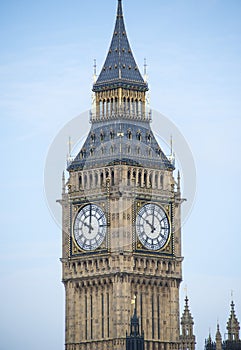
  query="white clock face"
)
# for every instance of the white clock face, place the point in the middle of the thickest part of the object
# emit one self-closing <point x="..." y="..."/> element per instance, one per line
<point x="152" y="226"/>
<point x="90" y="227"/>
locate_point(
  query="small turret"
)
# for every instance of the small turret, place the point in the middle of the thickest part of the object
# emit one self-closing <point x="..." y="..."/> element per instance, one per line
<point x="218" y="339"/>
<point x="135" y="340"/>
<point x="187" y="338"/>
<point x="209" y="344"/>
<point x="233" y="325"/>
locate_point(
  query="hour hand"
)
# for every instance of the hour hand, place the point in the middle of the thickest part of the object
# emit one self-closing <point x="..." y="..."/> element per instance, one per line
<point x="89" y="226"/>
<point x="151" y="226"/>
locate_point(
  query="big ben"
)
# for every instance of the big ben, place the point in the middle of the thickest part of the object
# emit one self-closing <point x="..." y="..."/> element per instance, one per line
<point x="121" y="218"/>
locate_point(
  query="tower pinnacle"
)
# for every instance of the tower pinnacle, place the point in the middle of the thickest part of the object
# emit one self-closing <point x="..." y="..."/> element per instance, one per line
<point x="233" y="325"/>
<point x="187" y="337"/>
<point x="119" y="10"/>
<point x="120" y="69"/>
<point x="136" y="339"/>
<point x="218" y="339"/>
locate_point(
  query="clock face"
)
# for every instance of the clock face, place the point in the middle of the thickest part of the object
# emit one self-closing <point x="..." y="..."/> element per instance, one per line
<point x="152" y="226"/>
<point x="90" y="227"/>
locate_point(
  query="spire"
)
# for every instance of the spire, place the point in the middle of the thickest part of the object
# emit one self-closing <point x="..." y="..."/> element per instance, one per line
<point x="145" y="71"/>
<point x="119" y="10"/>
<point x="135" y="340"/>
<point x="120" y="68"/>
<point x="209" y="344"/>
<point x="178" y="181"/>
<point x="218" y="339"/>
<point x="186" y="316"/>
<point x="94" y="73"/>
<point x="135" y="324"/>
<point x="63" y="183"/>
<point x="187" y="337"/>
<point x="233" y="325"/>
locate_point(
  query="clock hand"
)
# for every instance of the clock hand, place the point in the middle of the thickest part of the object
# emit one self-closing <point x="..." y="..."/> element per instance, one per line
<point x="90" y="227"/>
<point x="86" y="225"/>
<point x="147" y="221"/>
<point x="153" y="216"/>
<point x="151" y="226"/>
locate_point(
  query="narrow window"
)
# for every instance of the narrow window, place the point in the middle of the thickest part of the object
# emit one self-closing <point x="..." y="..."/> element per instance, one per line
<point x="134" y="175"/>
<point x="108" y="315"/>
<point x="112" y="135"/>
<point x="139" y="178"/>
<point x="103" y="315"/>
<point x="108" y="107"/>
<point x="141" y="312"/>
<point x="138" y="135"/>
<point x="91" y="317"/>
<point x="156" y="181"/>
<point x="102" y="136"/>
<point x="137" y="105"/>
<point x="91" y="180"/>
<point x="101" y="179"/>
<point x="101" y="108"/>
<point x="161" y="181"/>
<point x="104" y="108"/>
<point x="158" y="316"/>
<point x="128" y="178"/>
<point x="145" y="179"/>
<point x="92" y="137"/>
<point x="112" y="178"/>
<point x="86" y="318"/>
<point x="153" y="316"/>
<point x="96" y="179"/>
<point x="150" y="180"/>
<point x="85" y="180"/>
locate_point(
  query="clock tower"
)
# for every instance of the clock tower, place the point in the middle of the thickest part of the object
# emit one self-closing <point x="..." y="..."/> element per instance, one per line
<point x="121" y="218"/>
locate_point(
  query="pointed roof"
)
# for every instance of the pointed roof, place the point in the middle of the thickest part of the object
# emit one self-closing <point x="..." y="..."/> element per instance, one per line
<point x="186" y="316"/>
<point x="120" y="68"/>
<point x="134" y="324"/>
<point x="218" y="334"/>
<point x="129" y="143"/>
<point x="233" y="323"/>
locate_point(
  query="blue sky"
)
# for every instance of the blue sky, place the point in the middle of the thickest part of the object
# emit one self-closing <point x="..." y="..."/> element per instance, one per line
<point x="193" y="53"/>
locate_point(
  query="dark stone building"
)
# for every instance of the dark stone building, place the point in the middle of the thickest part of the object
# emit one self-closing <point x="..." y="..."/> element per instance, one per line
<point x="232" y="341"/>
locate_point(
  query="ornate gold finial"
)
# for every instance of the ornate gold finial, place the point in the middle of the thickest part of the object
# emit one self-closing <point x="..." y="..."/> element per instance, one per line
<point x="133" y="301"/>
